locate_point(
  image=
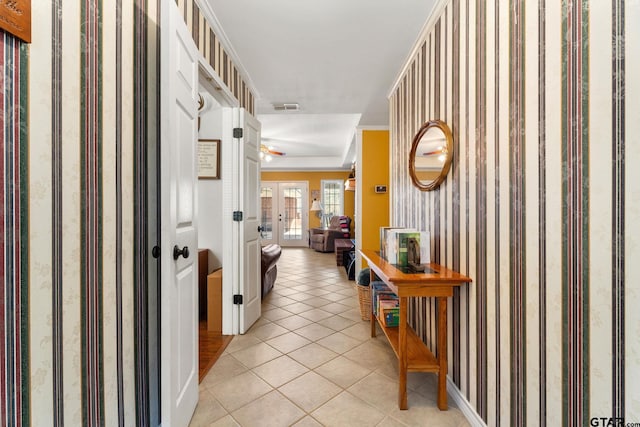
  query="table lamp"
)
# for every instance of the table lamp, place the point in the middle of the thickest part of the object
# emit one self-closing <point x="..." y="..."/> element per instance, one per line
<point x="316" y="206"/>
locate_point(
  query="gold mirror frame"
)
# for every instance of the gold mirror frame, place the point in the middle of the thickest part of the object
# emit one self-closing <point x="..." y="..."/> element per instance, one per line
<point x="428" y="186"/>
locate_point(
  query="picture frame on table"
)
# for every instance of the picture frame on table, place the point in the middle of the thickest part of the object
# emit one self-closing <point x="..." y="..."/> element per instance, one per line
<point x="208" y="159"/>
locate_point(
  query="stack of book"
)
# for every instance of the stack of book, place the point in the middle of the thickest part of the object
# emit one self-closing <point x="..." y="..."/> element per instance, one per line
<point x="402" y="245"/>
<point x="385" y="303"/>
<point x="389" y="311"/>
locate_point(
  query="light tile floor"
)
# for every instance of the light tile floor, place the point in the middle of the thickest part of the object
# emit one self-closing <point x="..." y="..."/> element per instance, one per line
<point x="310" y="361"/>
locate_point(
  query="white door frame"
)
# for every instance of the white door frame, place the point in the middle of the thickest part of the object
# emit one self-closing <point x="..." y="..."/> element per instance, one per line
<point x="210" y="81"/>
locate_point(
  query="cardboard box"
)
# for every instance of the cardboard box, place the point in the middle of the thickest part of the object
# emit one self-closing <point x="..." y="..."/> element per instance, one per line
<point x="214" y="301"/>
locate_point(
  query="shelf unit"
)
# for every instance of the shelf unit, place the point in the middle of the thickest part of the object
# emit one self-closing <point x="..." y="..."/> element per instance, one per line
<point x="413" y="355"/>
<point x="419" y="357"/>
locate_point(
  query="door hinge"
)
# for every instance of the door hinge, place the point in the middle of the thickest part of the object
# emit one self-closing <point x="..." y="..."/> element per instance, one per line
<point x="237" y="299"/>
<point x="237" y="132"/>
<point x="237" y="216"/>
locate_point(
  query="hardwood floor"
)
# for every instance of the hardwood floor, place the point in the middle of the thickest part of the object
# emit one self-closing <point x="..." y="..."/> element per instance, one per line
<point x="212" y="345"/>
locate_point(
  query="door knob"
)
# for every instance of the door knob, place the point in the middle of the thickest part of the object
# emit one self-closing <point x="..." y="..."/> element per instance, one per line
<point x="177" y="252"/>
<point x="260" y="229"/>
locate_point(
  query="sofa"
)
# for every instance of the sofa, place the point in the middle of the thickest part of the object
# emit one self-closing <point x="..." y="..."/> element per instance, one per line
<point x="322" y="239"/>
<point x="270" y="256"/>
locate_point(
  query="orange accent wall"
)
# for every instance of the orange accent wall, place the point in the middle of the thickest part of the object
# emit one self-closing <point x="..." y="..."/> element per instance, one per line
<point x="314" y="179"/>
<point x="375" y="171"/>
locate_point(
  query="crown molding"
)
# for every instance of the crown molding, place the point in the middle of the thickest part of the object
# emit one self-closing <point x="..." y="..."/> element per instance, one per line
<point x="212" y="20"/>
<point x="436" y="12"/>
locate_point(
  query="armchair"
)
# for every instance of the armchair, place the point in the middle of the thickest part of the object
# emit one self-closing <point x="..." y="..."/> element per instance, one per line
<point x="270" y="256"/>
<point x="322" y="239"/>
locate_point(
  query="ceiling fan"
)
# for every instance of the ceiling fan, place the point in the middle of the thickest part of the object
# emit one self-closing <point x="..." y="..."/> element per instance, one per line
<point x="267" y="152"/>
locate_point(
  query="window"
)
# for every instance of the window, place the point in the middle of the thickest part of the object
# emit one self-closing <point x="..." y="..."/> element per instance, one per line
<point x="333" y="196"/>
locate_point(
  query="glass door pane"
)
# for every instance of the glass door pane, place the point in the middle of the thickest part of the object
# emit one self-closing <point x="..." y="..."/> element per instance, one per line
<point x="267" y="213"/>
<point x="292" y="221"/>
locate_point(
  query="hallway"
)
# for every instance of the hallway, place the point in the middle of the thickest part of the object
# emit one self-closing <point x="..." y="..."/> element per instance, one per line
<point x="310" y="361"/>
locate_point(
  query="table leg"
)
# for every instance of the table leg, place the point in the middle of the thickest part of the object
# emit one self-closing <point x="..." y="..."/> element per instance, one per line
<point x="442" y="353"/>
<point x="371" y="310"/>
<point x="402" y="357"/>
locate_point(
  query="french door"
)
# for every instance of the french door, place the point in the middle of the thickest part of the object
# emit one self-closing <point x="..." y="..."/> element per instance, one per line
<point x="285" y="213"/>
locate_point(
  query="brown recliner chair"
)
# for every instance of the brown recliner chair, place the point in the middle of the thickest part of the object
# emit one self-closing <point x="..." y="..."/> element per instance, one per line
<point x="270" y="256"/>
<point x="322" y="239"/>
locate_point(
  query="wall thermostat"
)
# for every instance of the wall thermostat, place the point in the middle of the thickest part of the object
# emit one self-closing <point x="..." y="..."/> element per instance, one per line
<point x="381" y="188"/>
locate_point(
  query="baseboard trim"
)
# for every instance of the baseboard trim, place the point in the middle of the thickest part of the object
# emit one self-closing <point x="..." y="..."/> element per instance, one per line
<point x="469" y="412"/>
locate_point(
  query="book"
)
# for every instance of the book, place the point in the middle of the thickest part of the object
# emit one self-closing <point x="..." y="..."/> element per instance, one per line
<point x="386" y="302"/>
<point x="391" y="317"/>
<point x="407" y="246"/>
<point x="381" y="295"/>
<point x="383" y="240"/>
<point x="391" y="250"/>
<point x="387" y="305"/>
<point x="378" y="289"/>
<point x="398" y="242"/>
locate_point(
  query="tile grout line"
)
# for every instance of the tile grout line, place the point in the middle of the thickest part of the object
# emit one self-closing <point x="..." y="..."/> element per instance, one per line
<point x="326" y="348"/>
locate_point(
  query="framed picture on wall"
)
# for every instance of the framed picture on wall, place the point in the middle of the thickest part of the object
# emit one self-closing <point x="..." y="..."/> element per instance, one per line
<point x="208" y="159"/>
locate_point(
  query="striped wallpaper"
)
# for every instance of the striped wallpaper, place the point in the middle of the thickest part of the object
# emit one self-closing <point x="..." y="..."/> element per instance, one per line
<point x="14" y="234"/>
<point x="145" y="149"/>
<point x="541" y="205"/>
<point x="79" y="137"/>
<point x="81" y="212"/>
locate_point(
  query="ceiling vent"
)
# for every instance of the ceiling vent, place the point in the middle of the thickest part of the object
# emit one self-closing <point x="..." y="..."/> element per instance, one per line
<point x="286" y="106"/>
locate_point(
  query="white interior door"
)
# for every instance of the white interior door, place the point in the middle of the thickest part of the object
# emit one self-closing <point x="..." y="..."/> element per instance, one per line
<point x="179" y="298"/>
<point x="249" y="185"/>
<point x="284" y="217"/>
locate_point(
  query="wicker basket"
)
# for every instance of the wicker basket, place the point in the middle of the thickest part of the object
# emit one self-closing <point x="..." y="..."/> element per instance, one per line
<point x="364" y="298"/>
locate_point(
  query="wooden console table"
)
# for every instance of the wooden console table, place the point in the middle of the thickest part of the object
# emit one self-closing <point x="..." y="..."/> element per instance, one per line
<point x="413" y="355"/>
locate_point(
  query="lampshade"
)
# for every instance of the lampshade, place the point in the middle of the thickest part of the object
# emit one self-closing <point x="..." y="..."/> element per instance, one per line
<point x="350" y="184"/>
<point x="315" y="206"/>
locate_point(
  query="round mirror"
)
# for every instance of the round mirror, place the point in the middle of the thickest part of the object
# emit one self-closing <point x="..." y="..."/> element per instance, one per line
<point x="430" y="157"/>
